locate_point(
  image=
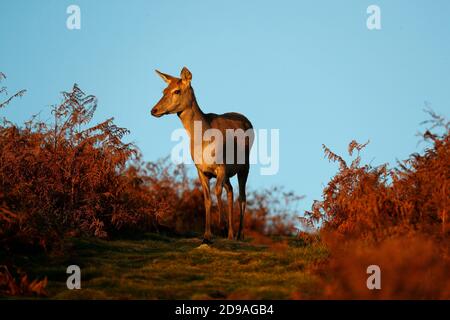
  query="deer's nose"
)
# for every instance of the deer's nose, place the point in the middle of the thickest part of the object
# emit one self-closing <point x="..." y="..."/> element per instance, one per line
<point x="156" y="113"/>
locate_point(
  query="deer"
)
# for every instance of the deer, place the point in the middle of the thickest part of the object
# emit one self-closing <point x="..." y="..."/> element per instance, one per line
<point x="179" y="98"/>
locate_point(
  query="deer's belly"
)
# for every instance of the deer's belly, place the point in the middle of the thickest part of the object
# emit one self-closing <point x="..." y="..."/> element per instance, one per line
<point x="208" y="170"/>
<point x="212" y="171"/>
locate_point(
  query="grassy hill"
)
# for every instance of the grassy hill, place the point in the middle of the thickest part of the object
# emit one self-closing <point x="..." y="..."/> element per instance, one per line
<point x="161" y="267"/>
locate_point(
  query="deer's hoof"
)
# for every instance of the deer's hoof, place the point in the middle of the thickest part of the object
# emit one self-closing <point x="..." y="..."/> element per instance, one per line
<point x="206" y="241"/>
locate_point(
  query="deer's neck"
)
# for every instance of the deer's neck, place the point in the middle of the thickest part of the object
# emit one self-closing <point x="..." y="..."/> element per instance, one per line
<point x="193" y="117"/>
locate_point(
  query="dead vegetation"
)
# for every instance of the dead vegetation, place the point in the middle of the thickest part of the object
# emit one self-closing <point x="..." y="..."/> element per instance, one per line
<point x="395" y="218"/>
<point x="10" y="286"/>
<point x="69" y="178"/>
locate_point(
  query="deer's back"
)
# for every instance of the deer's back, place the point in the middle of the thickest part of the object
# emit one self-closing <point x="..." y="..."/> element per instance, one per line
<point x="230" y="120"/>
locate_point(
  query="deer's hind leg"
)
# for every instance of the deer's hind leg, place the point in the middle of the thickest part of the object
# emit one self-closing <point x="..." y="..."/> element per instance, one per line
<point x="229" y="189"/>
<point x="218" y="190"/>
<point x="242" y="180"/>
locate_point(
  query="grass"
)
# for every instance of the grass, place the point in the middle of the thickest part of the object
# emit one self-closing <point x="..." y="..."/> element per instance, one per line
<point x="160" y="267"/>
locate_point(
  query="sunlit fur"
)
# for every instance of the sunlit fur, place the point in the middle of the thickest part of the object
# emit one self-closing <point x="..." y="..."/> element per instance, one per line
<point x="179" y="98"/>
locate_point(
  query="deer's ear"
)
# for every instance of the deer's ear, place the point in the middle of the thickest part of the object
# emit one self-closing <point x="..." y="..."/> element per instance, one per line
<point x="164" y="76"/>
<point x="186" y="75"/>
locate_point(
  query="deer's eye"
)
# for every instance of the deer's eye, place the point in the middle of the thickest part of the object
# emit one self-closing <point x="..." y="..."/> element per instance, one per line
<point x="177" y="92"/>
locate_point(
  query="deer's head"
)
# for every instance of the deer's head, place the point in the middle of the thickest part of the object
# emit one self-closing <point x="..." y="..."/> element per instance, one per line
<point x="178" y="95"/>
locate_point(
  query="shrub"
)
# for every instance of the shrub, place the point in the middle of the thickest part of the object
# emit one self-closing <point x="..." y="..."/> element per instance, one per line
<point x="394" y="218"/>
<point x="68" y="177"/>
<point x="63" y="177"/>
<point x="373" y="202"/>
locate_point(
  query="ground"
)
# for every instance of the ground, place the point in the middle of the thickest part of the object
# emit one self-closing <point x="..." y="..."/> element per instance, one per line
<point x="161" y="267"/>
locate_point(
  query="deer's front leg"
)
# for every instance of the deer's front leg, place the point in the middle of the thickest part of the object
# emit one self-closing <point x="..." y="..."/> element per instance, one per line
<point x="204" y="180"/>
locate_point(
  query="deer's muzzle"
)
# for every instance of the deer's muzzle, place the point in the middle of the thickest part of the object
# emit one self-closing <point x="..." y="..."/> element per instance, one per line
<point x="156" y="113"/>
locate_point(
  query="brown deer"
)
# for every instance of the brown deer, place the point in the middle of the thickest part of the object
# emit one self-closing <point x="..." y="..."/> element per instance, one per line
<point x="178" y="97"/>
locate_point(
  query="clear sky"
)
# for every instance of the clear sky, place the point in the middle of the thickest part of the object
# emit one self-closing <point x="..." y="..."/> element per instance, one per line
<point x="309" y="68"/>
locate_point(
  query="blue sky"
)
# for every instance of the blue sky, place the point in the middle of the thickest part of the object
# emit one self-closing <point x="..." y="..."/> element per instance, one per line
<point x="310" y="68"/>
